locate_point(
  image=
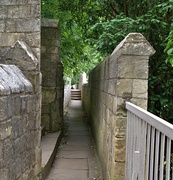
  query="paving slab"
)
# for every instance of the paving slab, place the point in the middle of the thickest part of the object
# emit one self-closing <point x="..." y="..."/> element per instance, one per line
<point x="73" y="154"/>
<point x="71" y="163"/>
<point x="76" y="157"/>
<point x="62" y="174"/>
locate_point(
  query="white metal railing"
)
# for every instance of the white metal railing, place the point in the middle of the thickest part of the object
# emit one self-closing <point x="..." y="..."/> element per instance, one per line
<point x="148" y="146"/>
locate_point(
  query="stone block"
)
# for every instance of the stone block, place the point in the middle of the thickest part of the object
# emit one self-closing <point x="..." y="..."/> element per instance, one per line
<point x="4" y="174"/>
<point x="48" y="95"/>
<point x="133" y="67"/>
<point x="4" y="108"/>
<point x="120" y="127"/>
<point x="3" y="11"/>
<point x="140" y="88"/>
<point x="9" y="39"/>
<point x="9" y="156"/>
<point x="22" y="11"/>
<point x="119" y="171"/>
<point x="112" y="85"/>
<point x="35" y="10"/>
<point x="140" y="102"/>
<point x="113" y="67"/>
<point x="2" y="25"/>
<point x="10" y="25"/>
<point x="28" y="25"/>
<point x="124" y="87"/>
<point x="33" y="39"/>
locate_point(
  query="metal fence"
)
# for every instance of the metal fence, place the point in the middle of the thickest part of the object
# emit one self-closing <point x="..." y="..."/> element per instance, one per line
<point x="148" y="146"/>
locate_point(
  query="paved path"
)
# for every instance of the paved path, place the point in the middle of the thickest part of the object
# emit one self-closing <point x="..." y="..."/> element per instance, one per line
<point x="75" y="159"/>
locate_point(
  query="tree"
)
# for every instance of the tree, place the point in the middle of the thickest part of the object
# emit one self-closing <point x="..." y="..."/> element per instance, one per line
<point x="91" y="29"/>
<point x="76" y="55"/>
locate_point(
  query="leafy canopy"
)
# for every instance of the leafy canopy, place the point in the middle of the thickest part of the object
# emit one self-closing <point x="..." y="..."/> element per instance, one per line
<point x="91" y="29"/>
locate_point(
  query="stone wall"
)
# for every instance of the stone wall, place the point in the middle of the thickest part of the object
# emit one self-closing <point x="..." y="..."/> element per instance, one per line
<point x="52" y="76"/>
<point x="121" y="77"/>
<point x="20" y="20"/>
<point x="20" y="112"/>
<point x="19" y="126"/>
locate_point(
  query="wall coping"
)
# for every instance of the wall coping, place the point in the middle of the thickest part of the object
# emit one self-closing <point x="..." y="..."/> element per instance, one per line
<point x="49" y="23"/>
<point x="12" y="80"/>
<point x="140" y="45"/>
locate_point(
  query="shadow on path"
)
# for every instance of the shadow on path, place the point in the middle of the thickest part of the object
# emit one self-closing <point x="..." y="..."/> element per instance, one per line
<point x="76" y="158"/>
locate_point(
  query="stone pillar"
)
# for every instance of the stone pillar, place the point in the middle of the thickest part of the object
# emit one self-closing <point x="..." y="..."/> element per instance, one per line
<point x="52" y="76"/>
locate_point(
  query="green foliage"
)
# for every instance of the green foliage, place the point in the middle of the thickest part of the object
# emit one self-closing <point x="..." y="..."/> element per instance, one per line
<point x="92" y="29"/>
<point x="76" y="55"/>
<point x="169" y="47"/>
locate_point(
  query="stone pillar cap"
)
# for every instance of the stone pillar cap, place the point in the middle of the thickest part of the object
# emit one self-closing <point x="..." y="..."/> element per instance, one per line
<point x="135" y="44"/>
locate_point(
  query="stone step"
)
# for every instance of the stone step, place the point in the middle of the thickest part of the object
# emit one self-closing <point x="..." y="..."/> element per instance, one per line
<point x="49" y="145"/>
<point x="75" y="95"/>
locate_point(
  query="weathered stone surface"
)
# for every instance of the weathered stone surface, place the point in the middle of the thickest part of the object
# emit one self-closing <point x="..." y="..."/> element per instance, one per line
<point x="3" y="11"/>
<point x="12" y="79"/>
<point x="8" y="39"/>
<point x="121" y="77"/>
<point x="6" y="129"/>
<point x="22" y="11"/>
<point x="22" y="56"/>
<point x="2" y="25"/>
<point x="124" y="86"/>
<point x="4" y="88"/>
<point x="140" y="88"/>
<point x="139" y="64"/>
<point x="120" y="149"/>
<point x="33" y="39"/>
<point x="10" y="25"/>
<point x="28" y="25"/>
<point x="35" y="10"/>
<point x="19" y="96"/>
<point x="52" y="75"/>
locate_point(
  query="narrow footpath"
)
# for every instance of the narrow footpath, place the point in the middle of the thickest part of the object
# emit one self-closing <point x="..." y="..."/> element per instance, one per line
<point x="76" y="158"/>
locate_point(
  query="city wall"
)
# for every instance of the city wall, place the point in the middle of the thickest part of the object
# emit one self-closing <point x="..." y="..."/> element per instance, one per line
<point x="121" y="77"/>
<point x="20" y="90"/>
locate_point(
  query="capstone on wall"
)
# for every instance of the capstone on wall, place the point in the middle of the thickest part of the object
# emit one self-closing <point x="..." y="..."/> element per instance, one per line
<point x="52" y="76"/>
<point x="121" y="77"/>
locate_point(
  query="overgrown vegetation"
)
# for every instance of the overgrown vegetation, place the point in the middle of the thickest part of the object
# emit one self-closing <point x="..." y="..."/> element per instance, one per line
<point x="91" y="29"/>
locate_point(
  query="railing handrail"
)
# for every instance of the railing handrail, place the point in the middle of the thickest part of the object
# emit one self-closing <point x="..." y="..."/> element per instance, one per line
<point x="160" y="124"/>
